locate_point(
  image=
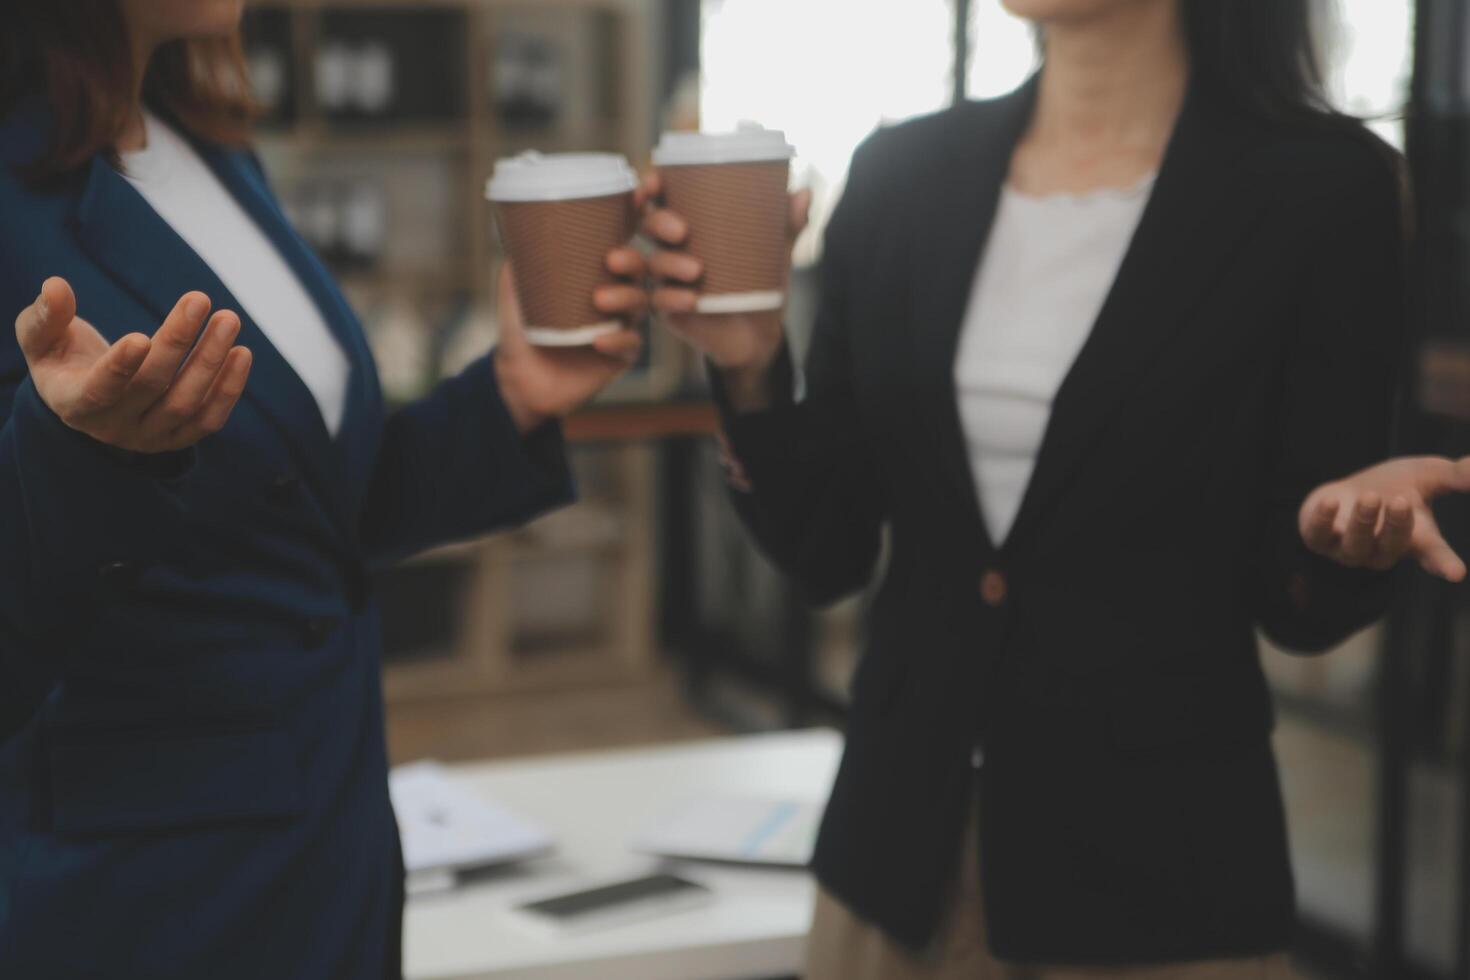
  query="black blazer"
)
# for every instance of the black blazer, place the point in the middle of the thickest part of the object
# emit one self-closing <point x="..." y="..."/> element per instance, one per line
<point x="1104" y="659"/>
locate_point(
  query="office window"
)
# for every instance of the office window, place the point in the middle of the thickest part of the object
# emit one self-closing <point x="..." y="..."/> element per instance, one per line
<point x="1369" y="61"/>
<point x="1003" y="50"/>
<point x="1368" y="56"/>
<point x="828" y="72"/>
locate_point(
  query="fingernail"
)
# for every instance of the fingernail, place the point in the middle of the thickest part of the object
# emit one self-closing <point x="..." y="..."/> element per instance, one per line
<point x="198" y="306"/>
<point x="43" y="306"/>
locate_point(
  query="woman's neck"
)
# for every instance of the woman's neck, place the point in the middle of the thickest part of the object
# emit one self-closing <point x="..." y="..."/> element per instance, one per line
<point x="1111" y="91"/>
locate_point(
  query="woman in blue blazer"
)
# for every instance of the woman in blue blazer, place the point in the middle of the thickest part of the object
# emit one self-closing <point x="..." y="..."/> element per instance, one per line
<point x="192" y="763"/>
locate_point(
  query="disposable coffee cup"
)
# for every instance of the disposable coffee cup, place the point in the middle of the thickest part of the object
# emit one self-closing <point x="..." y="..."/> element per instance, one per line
<point x="732" y="189"/>
<point x="559" y="215"/>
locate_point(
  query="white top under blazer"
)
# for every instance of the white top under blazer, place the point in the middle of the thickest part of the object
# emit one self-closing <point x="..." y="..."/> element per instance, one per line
<point x="184" y="192"/>
<point x="1044" y="276"/>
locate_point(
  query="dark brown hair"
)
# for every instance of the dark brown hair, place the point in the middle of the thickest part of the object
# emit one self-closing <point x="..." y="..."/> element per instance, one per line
<point x="77" y="55"/>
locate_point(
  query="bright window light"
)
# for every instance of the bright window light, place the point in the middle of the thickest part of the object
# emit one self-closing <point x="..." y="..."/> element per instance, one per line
<point x="828" y="72"/>
<point x="1370" y="61"/>
<point x="1002" y="50"/>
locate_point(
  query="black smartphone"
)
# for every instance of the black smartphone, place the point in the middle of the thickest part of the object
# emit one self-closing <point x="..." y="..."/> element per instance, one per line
<point x="616" y="903"/>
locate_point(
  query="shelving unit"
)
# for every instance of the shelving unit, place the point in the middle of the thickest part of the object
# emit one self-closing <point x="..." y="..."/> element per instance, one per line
<point x="502" y="643"/>
<point x="440" y="254"/>
<point x="570" y="600"/>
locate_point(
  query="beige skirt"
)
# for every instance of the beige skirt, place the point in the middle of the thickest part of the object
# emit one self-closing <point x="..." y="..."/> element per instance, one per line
<point x="844" y="947"/>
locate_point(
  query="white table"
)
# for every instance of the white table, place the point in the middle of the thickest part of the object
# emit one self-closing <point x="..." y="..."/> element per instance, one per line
<point x="594" y="804"/>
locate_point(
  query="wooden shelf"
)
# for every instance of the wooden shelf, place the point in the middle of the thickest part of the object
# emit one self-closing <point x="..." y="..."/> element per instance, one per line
<point x="593" y="527"/>
<point x="568" y="668"/>
<point x="375" y="137"/>
<point x="483" y="657"/>
<point x="410" y="277"/>
<point x="608" y="135"/>
<point x="459" y="553"/>
<point x="625" y="423"/>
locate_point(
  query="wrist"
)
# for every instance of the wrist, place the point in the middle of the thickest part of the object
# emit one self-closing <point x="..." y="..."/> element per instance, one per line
<point x="523" y="415"/>
<point x="748" y="379"/>
<point x="749" y="388"/>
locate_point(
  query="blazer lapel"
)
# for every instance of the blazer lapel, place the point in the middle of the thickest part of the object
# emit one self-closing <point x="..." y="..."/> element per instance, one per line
<point x="124" y="236"/>
<point x="1202" y="206"/>
<point x="361" y="420"/>
<point x="952" y="230"/>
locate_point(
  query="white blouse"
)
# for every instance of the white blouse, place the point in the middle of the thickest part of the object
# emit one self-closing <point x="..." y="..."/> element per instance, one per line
<point x="1045" y="274"/>
<point x="184" y="192"/>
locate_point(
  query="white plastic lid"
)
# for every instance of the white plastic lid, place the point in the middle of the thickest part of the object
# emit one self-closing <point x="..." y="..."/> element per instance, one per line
<point x="745" y="145"/>
<point x="560" y="177"/>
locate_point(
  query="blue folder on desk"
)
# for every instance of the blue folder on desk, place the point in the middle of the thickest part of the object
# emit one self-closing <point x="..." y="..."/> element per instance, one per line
<point x="738" y="830"/>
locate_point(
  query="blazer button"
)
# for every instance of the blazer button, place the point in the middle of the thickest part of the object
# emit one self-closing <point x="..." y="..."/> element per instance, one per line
<point x="994" y="589"/>
<point x="283" y="489"/>
<point x="118" y="574"/>
<point x="320" y="629"/>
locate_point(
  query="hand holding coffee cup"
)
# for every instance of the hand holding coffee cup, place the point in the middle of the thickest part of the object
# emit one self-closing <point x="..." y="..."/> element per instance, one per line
<point x="726" y="232"/>
<point x="540" y="383"/>
<point x="572" y="285"/>
<point x="559" y="216"/>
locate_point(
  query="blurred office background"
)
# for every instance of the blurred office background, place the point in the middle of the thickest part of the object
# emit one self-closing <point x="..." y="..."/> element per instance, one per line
<point x="641" y="615"/>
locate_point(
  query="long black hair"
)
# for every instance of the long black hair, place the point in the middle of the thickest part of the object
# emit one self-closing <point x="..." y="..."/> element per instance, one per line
<point x="1262" y="57"/>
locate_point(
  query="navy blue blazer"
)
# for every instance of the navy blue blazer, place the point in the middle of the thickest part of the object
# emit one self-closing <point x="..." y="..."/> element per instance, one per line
<point x="193" y="771"/>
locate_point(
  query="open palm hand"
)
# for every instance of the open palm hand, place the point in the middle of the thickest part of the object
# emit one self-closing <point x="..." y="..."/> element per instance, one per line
<point x="1381" y="515"/>
<point x="142" y="394"/>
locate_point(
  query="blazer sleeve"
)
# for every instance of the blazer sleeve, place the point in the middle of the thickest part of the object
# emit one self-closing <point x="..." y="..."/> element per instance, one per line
<point x="802" y="476"/>
<point x="1340" y="390"/>
<point x="74" y="515"/>
<point x="453" y="466"/>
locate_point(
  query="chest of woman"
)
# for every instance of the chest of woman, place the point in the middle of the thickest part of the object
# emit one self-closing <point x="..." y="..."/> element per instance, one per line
<point x="1163" y="362"/>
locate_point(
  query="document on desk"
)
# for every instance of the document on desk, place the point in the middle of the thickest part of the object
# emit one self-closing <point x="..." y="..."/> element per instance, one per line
<point x="742" y="830"/>
<point x="448" y="827"/>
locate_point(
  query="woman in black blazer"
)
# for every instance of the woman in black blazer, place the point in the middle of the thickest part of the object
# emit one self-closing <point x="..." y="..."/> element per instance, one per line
<point x="1092" y="679"/>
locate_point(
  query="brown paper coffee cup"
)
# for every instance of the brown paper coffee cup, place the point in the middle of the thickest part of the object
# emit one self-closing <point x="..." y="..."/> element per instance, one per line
<point x="732" y="189"/>
<point x="558" y="222"/>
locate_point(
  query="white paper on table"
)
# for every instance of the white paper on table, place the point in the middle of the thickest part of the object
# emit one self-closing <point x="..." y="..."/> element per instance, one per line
<point x="744" y="830"/>
<point x="445" y="825"/>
